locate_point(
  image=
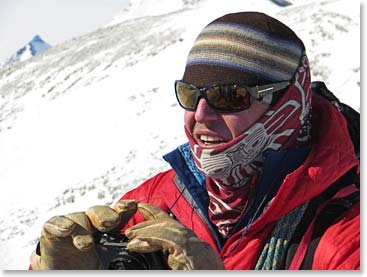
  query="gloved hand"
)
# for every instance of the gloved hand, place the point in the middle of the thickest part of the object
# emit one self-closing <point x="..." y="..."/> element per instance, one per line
<point x="160" y="231"/>
<point x="67" y="241"/>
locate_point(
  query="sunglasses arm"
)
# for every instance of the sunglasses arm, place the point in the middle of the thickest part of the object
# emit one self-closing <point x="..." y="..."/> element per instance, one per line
<point x="260" y="91"/>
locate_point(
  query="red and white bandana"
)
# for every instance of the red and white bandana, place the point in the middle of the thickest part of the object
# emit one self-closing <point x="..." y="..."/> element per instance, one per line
<point x="233" y="169"/>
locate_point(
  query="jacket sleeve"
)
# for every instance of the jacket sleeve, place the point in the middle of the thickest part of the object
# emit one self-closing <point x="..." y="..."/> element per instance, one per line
<point x="339" y="247"/>
<point x="149" y="192"/>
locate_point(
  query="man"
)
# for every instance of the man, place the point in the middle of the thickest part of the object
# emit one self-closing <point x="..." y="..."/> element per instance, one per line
<point x="265" y="158"/>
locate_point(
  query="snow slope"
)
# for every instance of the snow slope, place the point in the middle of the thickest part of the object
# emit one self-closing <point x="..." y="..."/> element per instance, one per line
<point x="89" y="119"/>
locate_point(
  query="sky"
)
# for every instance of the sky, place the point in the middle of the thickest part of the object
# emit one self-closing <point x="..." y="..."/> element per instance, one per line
<point x="54" y="20"/>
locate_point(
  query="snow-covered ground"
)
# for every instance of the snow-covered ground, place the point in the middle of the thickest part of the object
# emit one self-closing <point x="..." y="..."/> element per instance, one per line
<point x="89" y="119"/>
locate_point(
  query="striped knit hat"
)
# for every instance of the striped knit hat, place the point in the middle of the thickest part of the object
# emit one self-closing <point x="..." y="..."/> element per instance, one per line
<point x="245" y="48"/>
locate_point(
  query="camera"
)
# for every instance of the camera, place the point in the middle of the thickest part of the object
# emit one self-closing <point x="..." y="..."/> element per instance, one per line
<point x="114" y="255"/>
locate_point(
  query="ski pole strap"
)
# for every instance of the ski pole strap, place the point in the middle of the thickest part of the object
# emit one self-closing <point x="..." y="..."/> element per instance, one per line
<point x="303" y="246"/>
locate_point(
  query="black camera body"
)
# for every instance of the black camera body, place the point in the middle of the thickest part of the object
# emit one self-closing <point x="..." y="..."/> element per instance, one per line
<point x="114" y="255"/>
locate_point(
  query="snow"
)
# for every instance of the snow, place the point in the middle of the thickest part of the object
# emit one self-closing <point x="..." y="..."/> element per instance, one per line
<point x="89" y="119"/>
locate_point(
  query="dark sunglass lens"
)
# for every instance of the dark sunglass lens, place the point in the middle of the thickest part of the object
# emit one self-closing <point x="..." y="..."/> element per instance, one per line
<point x="228" y="98"/>
<point x="241" y="98"/>
<point x="186" y="95"/>
<point x="217" y="98"/>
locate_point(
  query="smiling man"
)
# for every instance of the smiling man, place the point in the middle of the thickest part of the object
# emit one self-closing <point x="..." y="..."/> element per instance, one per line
<point x="266" y="158"/>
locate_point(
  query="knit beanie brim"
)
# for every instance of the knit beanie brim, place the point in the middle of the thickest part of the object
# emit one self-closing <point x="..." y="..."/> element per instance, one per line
<point x="245" y="48"/>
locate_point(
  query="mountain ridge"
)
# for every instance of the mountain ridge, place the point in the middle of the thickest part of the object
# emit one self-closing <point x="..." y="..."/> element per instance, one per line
<point x="34" y="47"/>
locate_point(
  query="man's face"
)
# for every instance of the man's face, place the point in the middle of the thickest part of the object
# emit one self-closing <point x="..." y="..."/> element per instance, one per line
<point x="210" y="128"/>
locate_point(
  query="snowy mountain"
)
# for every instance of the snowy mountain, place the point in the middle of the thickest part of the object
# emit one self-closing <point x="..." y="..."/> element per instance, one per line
<point x="91" y="118"/>
<point x="36" y="46"/>
<point x="282" y="3"/>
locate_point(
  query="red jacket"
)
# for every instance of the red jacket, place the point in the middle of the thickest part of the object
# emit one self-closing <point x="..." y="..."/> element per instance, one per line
<point x="330" y="157"/>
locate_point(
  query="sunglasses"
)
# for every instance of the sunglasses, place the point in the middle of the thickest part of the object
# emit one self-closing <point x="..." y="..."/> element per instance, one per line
<point x="223" y="98"/>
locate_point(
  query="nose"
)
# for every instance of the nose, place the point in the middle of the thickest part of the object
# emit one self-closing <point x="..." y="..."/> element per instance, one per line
<point x="204" y="113"/>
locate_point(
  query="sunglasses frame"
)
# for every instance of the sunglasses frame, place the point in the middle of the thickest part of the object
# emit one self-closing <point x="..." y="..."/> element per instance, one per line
<point x="257" y="92"/>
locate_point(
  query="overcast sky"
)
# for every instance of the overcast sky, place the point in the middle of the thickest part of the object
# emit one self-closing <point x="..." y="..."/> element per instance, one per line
<point x="54" y="20"/>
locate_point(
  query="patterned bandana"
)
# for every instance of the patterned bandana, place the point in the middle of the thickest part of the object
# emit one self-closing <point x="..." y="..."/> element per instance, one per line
<point x="233" y="168"/>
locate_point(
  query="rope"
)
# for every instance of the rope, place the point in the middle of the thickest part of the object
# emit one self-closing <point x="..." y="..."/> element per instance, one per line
<point x="273" y="253"/>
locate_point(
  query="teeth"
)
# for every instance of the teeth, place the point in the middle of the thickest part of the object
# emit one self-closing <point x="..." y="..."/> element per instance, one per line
<point x="210" y="139"/>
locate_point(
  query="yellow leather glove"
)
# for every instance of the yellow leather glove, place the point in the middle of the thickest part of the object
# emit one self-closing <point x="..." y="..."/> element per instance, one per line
<point x="67" y="241"/>
<point x="160" y="231"/>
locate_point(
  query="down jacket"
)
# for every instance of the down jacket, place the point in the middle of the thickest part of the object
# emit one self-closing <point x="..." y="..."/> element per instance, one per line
<point x="294" y="177"/>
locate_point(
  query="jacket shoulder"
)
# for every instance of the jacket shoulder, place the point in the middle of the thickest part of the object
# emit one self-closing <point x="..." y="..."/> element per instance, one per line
<point x="149" y="190"/>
